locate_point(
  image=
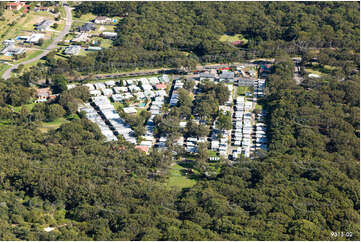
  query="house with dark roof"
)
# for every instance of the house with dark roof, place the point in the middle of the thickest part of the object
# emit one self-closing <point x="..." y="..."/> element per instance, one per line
<point x="44" y="25"/>
<point x="226" y="75"/>
<point x="206" y="75"/>
<point x="86" y="27"/>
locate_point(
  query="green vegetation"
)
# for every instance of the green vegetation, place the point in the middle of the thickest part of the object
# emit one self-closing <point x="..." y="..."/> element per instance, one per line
<point x="232" y="38"/>
<point x="28" y="107"/>
<point x="259" y="106"/>
<point x="46" y="126"/>
<point x="268" y="27"/>
<point x="212" y="153"/>
<point x="3" y="68"/>
<point x="303" y="188"/>
<point x="241" y="91"/>
<point x="84" y="17"/>
<point x="313" y="71"/>
<point x="178" y="179"/>
<point x="32" y="54"/>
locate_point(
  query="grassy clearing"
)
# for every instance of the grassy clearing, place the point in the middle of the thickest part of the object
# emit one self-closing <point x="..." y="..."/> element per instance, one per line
<point x="316" y="68"/>
<point x="46" y="126"/>
<point x="232" y="38"/>
<point x="46" y="43"/>
<point x="3" y="68"/>
<point x="118" y="105"/>
<point x="241" y="91"/>
<point x="313" y="71"/>
<point x="212" y="153"/>
<point x="178" y="179"/>
<point x="106" y="43"/>
<point x="29" y="107"/>
<point x="85" y="17"/>
<point x="259" y="106"/>
<point x="33" y="53"/>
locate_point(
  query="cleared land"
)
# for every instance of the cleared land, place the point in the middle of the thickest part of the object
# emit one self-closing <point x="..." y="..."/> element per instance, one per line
<point x="46" y="126"/>
<point x="232" y="38"/>
<point x="242" y="90"/>
<point x="178" y="179"/>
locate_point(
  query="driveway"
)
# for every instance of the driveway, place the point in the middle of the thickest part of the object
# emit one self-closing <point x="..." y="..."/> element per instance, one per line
<point x="51" y="47"/>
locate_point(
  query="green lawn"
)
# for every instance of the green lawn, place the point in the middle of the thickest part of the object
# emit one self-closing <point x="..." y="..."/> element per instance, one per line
<point x="232" y="38"/>
<point x="259" y="106"/>
<point x="3" y="68"/>
<point x="177" y="179"/>
<point x="106" y="43"/>
<point x="30" y="56"/>
<point x="242" y="90"/>
<point x="212" y="153"/>
<point x="316" y="68"/>
<point x="313" y="71"/>
<point x="29" y="107"/>
<point x="85" y="17"/>
<point x="46" y="43"/>
<point x="117" y="105"/>
<point x="46" y="126"/>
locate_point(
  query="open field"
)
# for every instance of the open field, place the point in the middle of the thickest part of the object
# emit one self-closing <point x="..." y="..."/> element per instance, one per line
<point x="85" y="17"/>
<point x="21" y="22"/>
<point x="106" y="43"/>
<point x="242" y="90"/>
<point x="29" y="55"/>
<point x="28" y="107"/>
<point x="313" y="71"/>
<point x="46" y="126"/>
<point x="3" y="68"/>
<point x="232" y="38"/>
<point x="259" y="106"/>
<point x="178" y="179"/>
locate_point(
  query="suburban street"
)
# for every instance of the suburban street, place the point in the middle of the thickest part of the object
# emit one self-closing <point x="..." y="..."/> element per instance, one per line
<point x="51" y="47"/>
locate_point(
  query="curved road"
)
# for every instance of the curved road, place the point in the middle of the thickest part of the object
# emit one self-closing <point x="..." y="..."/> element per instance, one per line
<point x="52" y="46"/>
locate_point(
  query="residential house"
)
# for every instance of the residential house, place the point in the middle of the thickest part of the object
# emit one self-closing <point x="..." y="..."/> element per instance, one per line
<point x="15" y="5"/>
<point x="41" y="9"/>
<point x="102" y="20"/>
<point x="12" y="51"/>
<point x="43" y="94"/>
<point x="160" y="86"/>
<point x="94" y="48"/>
<point x="44" y="25"/>
<point x="130" y="110"/>
<point x="81" y="37"/>
<point x="86" y="27"/>
<point x="72" y="50"/>
<point x="34" y="38"/>
<point x="206" y="75"/>
<point x="109" y="35"/>
<point x="226" y="75"/>
<point x="142" y="148"/>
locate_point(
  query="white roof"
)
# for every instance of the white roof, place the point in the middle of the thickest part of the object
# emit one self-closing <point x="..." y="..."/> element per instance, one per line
<point x="99" y="85"/>
<point x="95" y="92"/>
<point x="130" y="110"/>
<point x="110" y="83"/>
<point x="90" y="86"/>
<point x="107" y="92"/>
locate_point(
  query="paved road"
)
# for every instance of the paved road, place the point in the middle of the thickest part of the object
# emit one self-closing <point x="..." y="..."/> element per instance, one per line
<point x="52" y="46"/>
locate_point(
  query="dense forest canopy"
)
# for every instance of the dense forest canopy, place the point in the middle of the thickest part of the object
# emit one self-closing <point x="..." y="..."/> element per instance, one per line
<point x="304" y="188"/>
<point x="186" y="33"/>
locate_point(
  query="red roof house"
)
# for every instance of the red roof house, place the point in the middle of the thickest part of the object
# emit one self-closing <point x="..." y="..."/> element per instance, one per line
<point x="237" y="42"/>
<point x="161" y="86"/>
<point x="15" y="5"/>
<point x="142" y="148"/>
